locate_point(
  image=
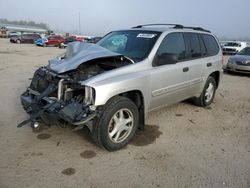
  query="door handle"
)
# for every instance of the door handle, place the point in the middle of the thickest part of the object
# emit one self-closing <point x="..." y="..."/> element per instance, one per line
<point x="209" y="64"/>
<point x="185" y="69"/>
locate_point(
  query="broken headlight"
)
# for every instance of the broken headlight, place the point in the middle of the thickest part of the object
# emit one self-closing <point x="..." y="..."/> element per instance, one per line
<point x="89" y="95"/>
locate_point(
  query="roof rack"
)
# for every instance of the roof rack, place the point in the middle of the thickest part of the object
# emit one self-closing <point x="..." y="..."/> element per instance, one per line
<point x="175" y="26"/>
<point x="198" y="29"/>
<point x="146" y="25"/>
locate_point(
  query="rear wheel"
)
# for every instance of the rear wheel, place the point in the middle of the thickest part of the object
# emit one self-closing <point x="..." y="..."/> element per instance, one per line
<point x="207" y="95"/>
<point x="117" y="124"/>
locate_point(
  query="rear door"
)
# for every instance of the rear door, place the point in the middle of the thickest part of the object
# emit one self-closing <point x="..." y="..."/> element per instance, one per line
<point x="170" y="82"/>
<point x="197" y="63"/>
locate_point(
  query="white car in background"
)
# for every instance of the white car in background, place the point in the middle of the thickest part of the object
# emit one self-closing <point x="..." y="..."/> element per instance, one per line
<point x="234" y="47"/>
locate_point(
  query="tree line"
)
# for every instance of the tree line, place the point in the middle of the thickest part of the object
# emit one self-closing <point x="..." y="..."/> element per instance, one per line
<point x="24" y="23"/>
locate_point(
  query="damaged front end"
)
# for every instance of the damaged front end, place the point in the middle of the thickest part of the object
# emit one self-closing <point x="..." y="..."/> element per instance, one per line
<point x="57" y="99"/>
<point x="56" y="94"/>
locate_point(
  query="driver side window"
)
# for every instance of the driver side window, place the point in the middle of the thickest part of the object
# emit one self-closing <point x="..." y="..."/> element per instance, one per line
<point x="173" y="44"/>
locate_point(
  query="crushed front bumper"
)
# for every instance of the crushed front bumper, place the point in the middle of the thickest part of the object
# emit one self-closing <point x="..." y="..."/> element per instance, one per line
<point x="53" y="111"/>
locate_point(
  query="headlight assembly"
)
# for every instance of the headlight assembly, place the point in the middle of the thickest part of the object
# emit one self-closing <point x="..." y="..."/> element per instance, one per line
<point x="89" y="95"/>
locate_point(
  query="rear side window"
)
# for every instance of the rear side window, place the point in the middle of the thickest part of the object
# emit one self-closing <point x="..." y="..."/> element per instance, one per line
<point x="210" y="44"/>
<point x="194" y="48"/>
<point x="203" y="47"/>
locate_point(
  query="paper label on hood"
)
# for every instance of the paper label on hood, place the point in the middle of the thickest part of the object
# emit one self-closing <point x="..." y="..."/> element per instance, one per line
<point x="146" y="35"/>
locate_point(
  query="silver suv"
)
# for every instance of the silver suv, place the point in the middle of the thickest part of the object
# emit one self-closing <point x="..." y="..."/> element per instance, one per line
<point x="112" y="85"/>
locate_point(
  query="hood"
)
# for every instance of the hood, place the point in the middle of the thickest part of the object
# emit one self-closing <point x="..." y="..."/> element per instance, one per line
<point x="76" y="54"/>
<point x="240" y="58"/>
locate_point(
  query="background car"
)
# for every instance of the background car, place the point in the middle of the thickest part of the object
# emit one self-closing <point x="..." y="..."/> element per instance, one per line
<point x="13" y="34"/>
<point x="55" y="40"/>
<point x="78" y="38"/>
<point x="41" y="41"/>
<point x="93" y="40"/>
<point x="25" y="38"/>
<point x="66" y="41"/>
<point x="232" y="48"/>
<point x="240" y="62"/>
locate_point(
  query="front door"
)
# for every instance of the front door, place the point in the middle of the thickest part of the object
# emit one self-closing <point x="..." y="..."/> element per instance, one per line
<point x="170" y="82"/>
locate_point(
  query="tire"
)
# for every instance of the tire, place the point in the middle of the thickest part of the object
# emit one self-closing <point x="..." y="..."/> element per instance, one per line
<point x="207" y="95"/>
<point x="18" y="41"/>
<point x="117" y="124"/>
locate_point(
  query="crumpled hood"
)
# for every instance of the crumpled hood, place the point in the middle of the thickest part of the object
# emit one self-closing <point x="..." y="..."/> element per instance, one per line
<point x="78" y="53"/>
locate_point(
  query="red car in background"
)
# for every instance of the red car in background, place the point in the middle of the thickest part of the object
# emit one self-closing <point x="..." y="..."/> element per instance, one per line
<point x="77" y="38"/>
<point x="54" y="40"/>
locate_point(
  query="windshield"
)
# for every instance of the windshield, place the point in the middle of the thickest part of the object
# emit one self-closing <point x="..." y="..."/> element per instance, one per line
<point x="234" y="44"/>
<point x="245" y="51"/>
<point x="133" y="44"/>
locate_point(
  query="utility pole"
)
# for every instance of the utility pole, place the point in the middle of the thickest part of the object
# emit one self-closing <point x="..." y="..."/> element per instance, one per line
<point x="79" y="19"/>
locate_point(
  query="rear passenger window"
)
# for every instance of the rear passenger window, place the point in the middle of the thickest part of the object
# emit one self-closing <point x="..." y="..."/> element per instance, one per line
<point x="193" y="42"/>
<point x="174" y="44"/>
<point x="202" y="45"/>
<point x="210" y="44"/>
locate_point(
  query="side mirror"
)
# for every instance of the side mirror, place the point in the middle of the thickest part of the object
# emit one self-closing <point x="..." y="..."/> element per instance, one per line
<point x="166" y="58"/>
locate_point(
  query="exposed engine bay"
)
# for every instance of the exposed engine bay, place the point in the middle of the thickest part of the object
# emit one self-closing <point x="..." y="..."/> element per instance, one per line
<point x="56" y="95"/>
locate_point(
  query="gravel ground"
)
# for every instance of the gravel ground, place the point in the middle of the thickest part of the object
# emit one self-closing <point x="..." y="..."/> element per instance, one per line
<point x="181" y="146"/>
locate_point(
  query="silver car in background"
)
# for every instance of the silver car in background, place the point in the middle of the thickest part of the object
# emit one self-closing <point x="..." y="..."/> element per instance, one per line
<point x="240" y="62"/>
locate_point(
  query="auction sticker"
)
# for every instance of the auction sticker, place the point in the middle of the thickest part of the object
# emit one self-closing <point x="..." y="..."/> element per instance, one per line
<point x="146" y="35"/>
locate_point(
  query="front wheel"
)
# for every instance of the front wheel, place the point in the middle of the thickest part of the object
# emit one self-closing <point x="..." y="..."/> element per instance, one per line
<point x="117" y="124"/>
<point x="207" y="95"/>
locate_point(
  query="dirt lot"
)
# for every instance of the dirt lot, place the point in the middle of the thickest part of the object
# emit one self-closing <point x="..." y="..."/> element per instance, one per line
<point x="182" y="145"/>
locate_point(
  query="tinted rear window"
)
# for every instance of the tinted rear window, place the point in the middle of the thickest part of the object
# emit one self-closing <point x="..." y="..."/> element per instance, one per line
<point x="210" y="44"/>
<point x="193" y="44"/>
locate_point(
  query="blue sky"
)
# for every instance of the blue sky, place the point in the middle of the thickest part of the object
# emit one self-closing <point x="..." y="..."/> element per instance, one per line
<point x="222" y="17"/>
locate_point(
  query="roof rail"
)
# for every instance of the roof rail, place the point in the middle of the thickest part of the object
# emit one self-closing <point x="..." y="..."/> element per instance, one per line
<point x="175" y="26"/>
<point x="198" y="29"/>
<point x="146" y="25"/>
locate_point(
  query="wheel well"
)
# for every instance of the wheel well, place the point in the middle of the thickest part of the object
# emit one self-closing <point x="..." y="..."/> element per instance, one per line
<point x="216" y="76"/>
<point x="137" y="97"/>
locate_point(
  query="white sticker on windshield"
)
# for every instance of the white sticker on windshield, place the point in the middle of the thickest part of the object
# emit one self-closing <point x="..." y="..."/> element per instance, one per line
<point x="146" y="35"/>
